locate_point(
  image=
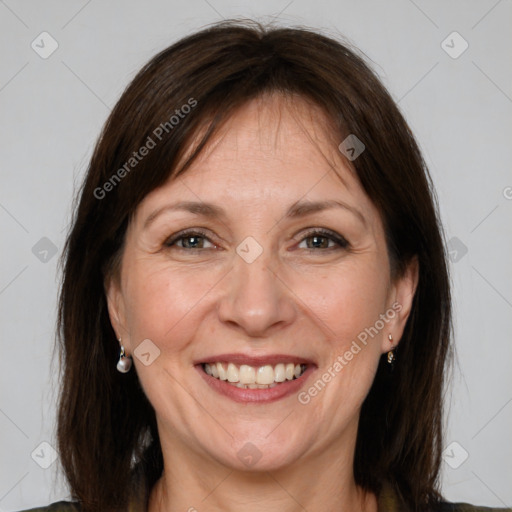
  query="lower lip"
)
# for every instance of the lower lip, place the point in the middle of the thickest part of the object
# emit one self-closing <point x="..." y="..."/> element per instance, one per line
<point x="282" y="390"/>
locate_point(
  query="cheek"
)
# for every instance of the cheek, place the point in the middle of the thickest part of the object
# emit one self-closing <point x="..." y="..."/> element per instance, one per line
<point x="347" y="300"/>
<point x="162" y="303"/>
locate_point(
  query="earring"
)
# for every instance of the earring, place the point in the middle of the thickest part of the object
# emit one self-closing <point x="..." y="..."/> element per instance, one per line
<point x="391" y="355"/>
<point x="125" y="363"/>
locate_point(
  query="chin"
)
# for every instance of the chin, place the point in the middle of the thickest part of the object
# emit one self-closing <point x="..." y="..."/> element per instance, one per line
<point x="260" y="454"/>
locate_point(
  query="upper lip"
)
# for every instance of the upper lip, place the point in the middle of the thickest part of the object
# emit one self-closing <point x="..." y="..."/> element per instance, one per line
<point x="253" y="360"/>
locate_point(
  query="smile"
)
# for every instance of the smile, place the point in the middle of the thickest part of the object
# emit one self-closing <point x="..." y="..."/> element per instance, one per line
<point x="254" y="377"/>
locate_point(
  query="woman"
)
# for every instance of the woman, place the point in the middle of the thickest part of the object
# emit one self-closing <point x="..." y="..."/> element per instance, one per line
<point x="255" y="310"/>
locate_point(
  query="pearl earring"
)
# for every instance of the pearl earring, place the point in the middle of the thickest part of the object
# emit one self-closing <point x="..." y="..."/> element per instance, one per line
<point x="125" y="363"/>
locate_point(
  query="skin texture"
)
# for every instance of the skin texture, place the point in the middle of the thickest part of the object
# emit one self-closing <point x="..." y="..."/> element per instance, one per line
<point x="295" y="299"/>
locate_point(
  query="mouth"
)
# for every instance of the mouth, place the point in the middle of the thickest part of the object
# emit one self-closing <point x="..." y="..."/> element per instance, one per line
<point x="255" y="379"/>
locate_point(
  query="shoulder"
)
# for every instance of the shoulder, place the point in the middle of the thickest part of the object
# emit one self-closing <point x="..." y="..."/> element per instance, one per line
<point x="390" y="500"/>
<point x="466" y="507"/>
<point x="58" y="506"/>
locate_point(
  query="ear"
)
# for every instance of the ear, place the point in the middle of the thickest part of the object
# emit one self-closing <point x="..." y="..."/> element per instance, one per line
<point x="401" y="297"/>
<point x="116" y="308"/>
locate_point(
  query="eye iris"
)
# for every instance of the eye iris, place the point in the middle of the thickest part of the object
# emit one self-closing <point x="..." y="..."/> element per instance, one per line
<point x="321" y="242"/>
<point x="192" y="242"/>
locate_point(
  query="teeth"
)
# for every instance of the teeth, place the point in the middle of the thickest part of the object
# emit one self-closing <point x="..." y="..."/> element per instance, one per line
<point x="247" y="374"/>
<point x="253" y="386"/>
<point x="232" y="373"/>
<point x="221" y="372"/>
<point x="265" y="375"/>
<point x="279" y="373"/>
<point x="250" y="377"/>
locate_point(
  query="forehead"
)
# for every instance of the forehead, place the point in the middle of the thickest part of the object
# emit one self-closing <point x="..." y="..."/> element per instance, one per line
<point x="273" y="148"/>
<point x="275" y="126"/>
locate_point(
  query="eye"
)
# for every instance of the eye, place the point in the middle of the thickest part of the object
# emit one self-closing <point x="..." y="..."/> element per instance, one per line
<point x="323" y="239"/>
<point x="188" y="240"/>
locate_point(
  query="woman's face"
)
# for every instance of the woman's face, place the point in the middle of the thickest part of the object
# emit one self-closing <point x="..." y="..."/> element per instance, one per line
<point x="267" y="260"/>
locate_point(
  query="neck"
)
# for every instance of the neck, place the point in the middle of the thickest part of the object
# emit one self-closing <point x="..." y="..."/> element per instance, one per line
<point x="322" y="482"/>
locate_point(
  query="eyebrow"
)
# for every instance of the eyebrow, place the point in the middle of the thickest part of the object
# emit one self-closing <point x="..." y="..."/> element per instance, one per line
<point x="296" y="210"/>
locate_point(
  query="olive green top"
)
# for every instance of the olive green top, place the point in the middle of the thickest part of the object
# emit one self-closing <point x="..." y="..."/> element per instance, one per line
<point x="388" y="501"/>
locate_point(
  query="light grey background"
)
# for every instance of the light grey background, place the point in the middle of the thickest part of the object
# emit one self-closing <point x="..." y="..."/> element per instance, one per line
<point x="460" y="109"/>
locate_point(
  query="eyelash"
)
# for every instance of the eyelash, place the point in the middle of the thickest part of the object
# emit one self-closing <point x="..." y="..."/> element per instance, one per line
<point x="330" y="235"/>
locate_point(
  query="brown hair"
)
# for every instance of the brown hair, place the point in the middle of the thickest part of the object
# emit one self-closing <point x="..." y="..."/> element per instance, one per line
<point x="106" y="426"/>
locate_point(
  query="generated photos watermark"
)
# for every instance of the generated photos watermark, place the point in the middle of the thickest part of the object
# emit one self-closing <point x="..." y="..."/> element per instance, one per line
<point x="151" y="142"/>
<point x="305" y="397"/>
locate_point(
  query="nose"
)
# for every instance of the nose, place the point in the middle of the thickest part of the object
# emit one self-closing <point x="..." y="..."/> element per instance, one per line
<point x="256" y="300"/>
